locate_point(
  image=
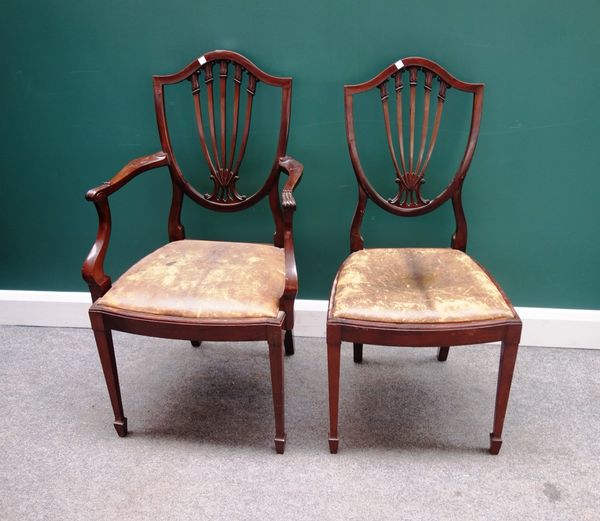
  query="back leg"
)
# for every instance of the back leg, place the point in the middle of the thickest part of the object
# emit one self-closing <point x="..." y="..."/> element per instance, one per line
<point x="288" y="325"/>
<point x="358" y="353"/>
<point x="289" y="343"/>
<point x="109" y="367"/>
<point x="196" y="343"/>
<point x="443" y="353"/>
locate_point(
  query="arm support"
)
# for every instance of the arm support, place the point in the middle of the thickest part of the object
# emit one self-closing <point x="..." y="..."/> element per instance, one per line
<point x="293" y="169"/>
<point x="93" y="267"/>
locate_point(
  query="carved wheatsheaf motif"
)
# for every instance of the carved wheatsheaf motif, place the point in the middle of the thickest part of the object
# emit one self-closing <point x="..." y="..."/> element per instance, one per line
<point x="410" y="171"/>
<point x="223" y="166"/>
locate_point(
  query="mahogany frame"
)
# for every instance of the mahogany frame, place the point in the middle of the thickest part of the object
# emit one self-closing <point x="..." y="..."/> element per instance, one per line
<point x="224" y="199"/>
<point x="507" y="331"/>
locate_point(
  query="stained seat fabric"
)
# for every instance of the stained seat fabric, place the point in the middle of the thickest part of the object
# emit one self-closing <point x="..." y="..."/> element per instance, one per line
<point x="203" y="279"/>
<point x="415" y="285"/>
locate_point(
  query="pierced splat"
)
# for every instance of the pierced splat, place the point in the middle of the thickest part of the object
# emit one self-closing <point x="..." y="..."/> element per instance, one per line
<point x="410" y="179"/>
<point x="223" y="167"/>
<point x="223" y="86"/>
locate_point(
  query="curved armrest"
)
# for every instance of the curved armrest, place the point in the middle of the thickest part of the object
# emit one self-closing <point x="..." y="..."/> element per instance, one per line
<point x="93" y="267"/>
<point x="126" y="174"/>
<point x="293" y="169"/>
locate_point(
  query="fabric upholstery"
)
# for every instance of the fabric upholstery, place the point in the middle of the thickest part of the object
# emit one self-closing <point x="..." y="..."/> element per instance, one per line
<point x="203" y="279"/>
<point x="415" y="285"/>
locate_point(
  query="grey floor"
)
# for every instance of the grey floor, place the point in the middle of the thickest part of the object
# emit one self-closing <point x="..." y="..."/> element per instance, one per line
<point x="414" y="433"/>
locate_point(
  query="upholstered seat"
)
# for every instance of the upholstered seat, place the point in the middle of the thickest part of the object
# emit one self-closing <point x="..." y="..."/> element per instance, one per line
<point x="203" y="279"/>
<point x="416" y="285"/>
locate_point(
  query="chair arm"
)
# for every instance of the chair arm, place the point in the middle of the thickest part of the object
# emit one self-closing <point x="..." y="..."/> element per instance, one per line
<point x="293" y="169"/>
<point x="93" y="267"/>
<point x="126" y="174"/>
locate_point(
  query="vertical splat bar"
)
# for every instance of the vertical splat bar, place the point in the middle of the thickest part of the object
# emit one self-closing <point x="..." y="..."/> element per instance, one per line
<point x="386" y="116"/>
<point x="398" y="88"/>
<point x="237" y="81"/>
<point x="223" y="99"/>
<point x="251" y="90"/>
<point x="426" y="100"/>
<point x="436" y="123"/>
<point x="198" y="110"/>
<point x="413" y="95"/>
<point x="211" y="111"/>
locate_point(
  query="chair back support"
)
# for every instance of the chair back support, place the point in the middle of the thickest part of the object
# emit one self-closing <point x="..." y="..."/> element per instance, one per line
<point x="223" y="151"/>
<point x="410" y="157"/>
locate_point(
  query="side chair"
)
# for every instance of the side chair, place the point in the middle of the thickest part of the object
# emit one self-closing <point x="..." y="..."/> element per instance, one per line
<point x="419" y="297"/>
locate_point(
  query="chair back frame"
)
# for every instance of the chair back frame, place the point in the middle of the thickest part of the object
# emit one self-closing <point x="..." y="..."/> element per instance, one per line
<point x="410" y="171"/>
<point x="222" y="154"/>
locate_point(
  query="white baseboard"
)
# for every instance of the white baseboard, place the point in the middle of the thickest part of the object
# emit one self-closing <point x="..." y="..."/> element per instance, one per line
<point x="44" y="308"/>
<point x="542" y="327"/>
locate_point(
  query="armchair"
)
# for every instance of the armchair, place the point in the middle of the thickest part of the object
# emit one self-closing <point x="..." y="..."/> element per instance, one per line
<point x="205" y="290"/>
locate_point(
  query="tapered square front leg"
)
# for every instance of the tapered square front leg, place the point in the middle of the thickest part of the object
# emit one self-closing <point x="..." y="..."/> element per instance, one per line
<point x="106" y="351"/>
<point x="277" y="384"/>
<point x="508" y="357"/>
<point x="333" y="373"/>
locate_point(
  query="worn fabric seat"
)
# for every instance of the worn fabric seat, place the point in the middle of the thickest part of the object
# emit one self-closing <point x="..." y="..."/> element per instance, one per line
<point x="416" y="285"/>
<point x="203" y="279"/>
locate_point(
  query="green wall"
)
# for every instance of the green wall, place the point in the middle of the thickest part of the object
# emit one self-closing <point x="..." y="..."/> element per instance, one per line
<point x="77" y="104"/>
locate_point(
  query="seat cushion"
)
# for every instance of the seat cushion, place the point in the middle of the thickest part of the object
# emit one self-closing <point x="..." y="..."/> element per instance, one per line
<point x="415" y="285"/>
<point x="203" y="279"/>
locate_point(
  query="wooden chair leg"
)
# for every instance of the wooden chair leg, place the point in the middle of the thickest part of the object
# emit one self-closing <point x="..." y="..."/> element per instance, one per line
<point x="196" y="343"/>
<point x="508" y="357"/>
<point x="277" y="381"/>
<point x="288" y="325"/>
<point x="443" y="353"/>
<point x="333" y="372"/>
<point x="289" y="343"/>
<point x="358" y="353"/>
<point x="109" y="367"/>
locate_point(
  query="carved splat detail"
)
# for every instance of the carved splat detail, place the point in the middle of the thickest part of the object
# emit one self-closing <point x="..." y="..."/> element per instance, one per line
<point x="223" y="164"/>
<point x="409" y="180"/>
